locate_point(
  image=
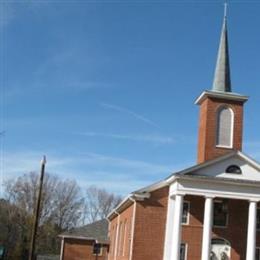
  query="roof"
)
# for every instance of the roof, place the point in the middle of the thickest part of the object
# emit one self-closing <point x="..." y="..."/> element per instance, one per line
<point x="222" y="78"/>
<point x="196" y="167"/>
<point x="95" y="231"/>
<point x="186" y="173"/>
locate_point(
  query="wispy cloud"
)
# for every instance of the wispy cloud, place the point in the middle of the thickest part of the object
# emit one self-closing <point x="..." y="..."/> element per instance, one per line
<point x="131" y="113"/>
<point x="156" y="139"/>
<point x="117" y="174"/>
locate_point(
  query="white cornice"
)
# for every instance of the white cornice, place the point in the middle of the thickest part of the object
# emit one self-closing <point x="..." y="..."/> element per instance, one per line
<point x="217" y="187"/>
<point x="220" y="95"/>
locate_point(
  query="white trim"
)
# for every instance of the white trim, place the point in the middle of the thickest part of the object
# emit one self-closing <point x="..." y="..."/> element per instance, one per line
<point x="216" y="188"/>
<point x="130" y="198"/>
<point x="62" y="249"/>
<point x="186" y="249"/>
<point x="117" y="233"/>
<point x="225" y="146"/>
<point x="221" y="95"/>
<point x="132" y="232"/>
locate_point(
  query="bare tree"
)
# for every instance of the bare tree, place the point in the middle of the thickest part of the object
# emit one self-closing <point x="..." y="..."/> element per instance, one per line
<point x="68" y="204"/>
<point x="60" y="209"/>
<point x="98" y="203"/>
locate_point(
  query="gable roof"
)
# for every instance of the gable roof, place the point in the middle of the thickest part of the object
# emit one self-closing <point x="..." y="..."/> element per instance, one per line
<point x="185" y="173"/>
<point x="200" y="166"/>
<point x="96" y="231"/>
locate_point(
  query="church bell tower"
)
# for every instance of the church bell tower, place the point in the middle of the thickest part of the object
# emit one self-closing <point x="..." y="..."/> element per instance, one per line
<point x="221" y="110"/>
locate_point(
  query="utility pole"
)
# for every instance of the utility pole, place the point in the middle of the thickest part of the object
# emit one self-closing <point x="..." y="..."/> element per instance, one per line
<point x="37" y="212"/>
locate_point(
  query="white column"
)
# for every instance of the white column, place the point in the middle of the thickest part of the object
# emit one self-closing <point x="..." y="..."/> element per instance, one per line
<point x="169" y="229"/>
<point x="207" y="228"/>
<point x="176" y="234"/>
<point x="251" y="231"/>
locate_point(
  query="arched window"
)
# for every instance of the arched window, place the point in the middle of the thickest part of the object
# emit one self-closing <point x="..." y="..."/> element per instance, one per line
<point x="225" y="121"/>
<point x="234" y="169"/>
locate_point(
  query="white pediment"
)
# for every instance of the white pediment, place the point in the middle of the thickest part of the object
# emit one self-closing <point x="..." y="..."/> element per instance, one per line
<point x="250" y="169"/>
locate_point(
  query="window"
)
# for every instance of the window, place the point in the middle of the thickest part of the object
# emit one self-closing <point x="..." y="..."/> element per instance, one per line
<point x="225" y="127"/>
<point x="233" y="169"/>
<point x="185" y="212"/>
<point x="257" y="253"/>
<point x="97" y="249"/>
<point x="183" y="251"/>
<point x="258" y="219"/>
<point x="220" y="214"/>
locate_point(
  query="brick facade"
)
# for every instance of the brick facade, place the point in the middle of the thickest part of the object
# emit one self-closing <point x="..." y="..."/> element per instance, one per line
<point x="150" y="226"/>
<point x="207" y="149"/>
<point x="149" y="229"/>
<point x="149" y="233"/>
<point x="122" y="225"/>
<point x="80" y="249"/>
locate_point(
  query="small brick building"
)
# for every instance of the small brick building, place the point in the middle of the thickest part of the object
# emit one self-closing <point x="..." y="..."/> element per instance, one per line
<point x="208" y="211"/>
<point x="89" y="242"/>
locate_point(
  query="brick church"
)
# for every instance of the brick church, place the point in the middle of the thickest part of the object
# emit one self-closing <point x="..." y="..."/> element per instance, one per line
<point x="208" y="211"/>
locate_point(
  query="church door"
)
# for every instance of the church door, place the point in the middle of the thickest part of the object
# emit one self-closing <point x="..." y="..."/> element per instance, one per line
<point x="220" y="249"/>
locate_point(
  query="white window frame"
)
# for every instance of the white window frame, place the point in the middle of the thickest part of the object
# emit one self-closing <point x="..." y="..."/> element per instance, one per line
<point x="227" y="218"/>
<point x="186" y="249"/>
<point x="231" y="129"/>
<point x="188" y="214"/>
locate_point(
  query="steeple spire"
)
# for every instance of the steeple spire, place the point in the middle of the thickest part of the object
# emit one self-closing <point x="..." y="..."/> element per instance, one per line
<point x="222" y="80"/>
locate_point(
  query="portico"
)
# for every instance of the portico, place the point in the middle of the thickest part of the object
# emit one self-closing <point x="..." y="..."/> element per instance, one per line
<point x="210" y="189"/>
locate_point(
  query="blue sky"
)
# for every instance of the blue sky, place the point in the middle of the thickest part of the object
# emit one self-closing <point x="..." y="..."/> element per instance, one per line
<point x="106" y="89"/>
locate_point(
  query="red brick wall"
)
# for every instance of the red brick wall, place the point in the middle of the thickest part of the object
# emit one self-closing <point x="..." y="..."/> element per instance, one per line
<point x="78" y="249"/>
<point x="235" y="232"/>
<point x="124" y="220"/>
<point x="149" y="231"/>
<point x="207" y="128"/>
<point x="150" y="226"/>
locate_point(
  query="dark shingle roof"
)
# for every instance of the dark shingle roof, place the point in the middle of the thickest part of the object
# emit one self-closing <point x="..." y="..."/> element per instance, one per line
<point x="95" y="231"/>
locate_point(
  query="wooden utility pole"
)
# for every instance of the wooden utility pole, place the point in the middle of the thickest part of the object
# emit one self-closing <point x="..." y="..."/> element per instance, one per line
<point x="37" y="212"/>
